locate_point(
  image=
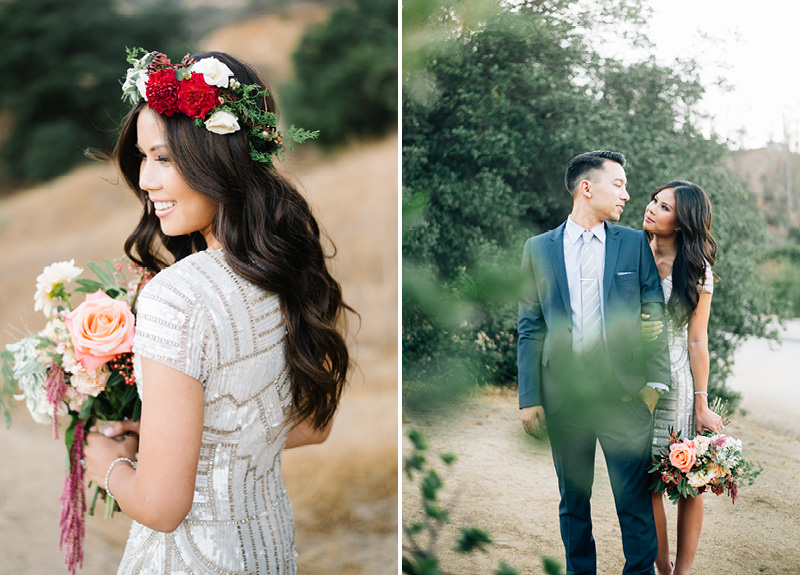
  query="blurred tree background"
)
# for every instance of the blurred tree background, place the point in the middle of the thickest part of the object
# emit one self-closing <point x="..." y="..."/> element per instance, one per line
<point x="64" y="62"/>
<point x="346" y="73"/>
<point x="497" y="97"/>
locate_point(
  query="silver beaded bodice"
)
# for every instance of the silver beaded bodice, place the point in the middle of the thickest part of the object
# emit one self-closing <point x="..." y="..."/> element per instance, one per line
<point x="675" y="409"/>
<point x="204" y="320"/>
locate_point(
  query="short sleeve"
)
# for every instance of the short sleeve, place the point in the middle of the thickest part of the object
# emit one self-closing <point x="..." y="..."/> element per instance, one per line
<point x="707" y="283"/>
<point x="171" y="327"/>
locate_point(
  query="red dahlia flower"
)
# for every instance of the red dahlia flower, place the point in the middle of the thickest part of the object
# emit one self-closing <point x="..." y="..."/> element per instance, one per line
<point x="162" y="92"/>
<point x="196" y="98"/>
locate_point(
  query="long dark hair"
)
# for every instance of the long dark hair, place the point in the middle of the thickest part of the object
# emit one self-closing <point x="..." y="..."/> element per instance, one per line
<point x="697" y="247"/>
<point x="268" y="234"/>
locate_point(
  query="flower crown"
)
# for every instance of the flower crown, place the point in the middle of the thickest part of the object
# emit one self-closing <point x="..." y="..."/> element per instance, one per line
<point x="207" y="91"/>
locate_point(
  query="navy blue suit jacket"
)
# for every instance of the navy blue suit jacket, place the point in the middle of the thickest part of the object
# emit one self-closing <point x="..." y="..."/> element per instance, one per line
<point x="631" y="286"/>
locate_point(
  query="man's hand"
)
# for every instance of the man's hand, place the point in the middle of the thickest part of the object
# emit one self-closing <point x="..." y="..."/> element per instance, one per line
<point x="651" y="329"/>
<point x="650" y="397"/>
<point x="533" y="421"/>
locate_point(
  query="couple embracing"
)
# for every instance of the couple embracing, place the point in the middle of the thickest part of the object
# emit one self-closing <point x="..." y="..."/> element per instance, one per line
<point x="596" y="371"/>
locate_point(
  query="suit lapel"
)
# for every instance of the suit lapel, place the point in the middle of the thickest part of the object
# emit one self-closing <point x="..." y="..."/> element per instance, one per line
<point x="559" y="267"/>
<point x="612" y="251"/>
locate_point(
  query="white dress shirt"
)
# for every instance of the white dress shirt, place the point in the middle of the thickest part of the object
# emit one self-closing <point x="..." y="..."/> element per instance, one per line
<point x="573" y="244"/>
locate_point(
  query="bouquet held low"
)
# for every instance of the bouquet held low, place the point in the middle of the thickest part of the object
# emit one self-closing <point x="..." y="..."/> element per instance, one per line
<point x="79" y="366"/>
<point x="710" y="461"/>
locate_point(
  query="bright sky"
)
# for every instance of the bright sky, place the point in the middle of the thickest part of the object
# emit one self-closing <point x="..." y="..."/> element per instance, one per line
<point x="755" y="46"/>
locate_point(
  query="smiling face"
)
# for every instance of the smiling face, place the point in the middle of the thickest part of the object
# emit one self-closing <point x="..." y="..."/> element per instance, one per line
<point x="180" y="209"/>
<point x="605" y="190"/>
<point x="659" y="216"/>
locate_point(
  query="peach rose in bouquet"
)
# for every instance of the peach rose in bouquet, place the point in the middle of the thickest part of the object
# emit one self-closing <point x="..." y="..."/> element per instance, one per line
<point x="100" y="328"/>
<point x="683" y="455"/>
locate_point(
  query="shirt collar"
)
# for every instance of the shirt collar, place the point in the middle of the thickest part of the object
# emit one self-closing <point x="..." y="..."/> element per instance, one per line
<point x="574" y="231"/>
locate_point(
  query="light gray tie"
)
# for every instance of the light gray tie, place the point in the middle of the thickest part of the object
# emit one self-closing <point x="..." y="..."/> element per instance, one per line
<point x="592" y="326"/>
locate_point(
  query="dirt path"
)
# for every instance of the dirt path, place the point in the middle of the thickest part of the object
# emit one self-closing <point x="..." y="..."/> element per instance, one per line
<point x="504" y="480"/>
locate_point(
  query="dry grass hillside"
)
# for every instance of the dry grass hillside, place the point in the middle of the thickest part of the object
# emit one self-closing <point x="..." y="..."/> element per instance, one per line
<point x="772" y="176"/>
<point x="344" y="492"/>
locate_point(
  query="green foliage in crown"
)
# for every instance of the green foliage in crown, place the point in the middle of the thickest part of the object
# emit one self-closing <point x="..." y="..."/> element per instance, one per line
<point x="206" y="91"/>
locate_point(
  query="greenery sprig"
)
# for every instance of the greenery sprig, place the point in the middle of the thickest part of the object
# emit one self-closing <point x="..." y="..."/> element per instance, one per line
<point x="423" y="560"/>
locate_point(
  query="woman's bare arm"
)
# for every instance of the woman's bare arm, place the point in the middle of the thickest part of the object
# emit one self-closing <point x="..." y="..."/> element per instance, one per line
<point x="699" y="362"/>
<point x="159" y="493"/>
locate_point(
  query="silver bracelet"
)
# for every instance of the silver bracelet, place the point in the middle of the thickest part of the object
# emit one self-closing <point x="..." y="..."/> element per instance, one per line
<point x="110" y="467"/>
<point x="701" y="393"/>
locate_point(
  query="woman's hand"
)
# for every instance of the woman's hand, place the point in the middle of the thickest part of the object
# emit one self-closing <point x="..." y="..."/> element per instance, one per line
<point x="101" y="451"/>
<point x="117" y="428"/>
<point x="705" y="419"/>
<point x="651" y="329"/>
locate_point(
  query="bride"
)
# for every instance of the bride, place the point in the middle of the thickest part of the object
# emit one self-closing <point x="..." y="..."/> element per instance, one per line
<point x="678" y="224"/>
<point x="238" y="348"/>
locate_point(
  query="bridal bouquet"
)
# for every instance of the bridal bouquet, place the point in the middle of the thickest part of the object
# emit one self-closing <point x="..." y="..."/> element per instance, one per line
<point x="688" y="467"/>
<point x="80" y="365"/>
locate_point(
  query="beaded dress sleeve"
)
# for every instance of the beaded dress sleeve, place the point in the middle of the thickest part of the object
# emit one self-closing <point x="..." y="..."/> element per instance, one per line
<point x="171" y="328"/>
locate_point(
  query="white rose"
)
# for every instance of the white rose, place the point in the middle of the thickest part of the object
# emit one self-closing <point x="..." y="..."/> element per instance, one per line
<point x="214" y="72"/>
<point x="222" y="122"/>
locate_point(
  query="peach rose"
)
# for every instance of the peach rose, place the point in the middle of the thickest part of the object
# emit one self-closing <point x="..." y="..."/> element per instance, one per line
<point x="683" y="455"/>
<point x="100" y="328"/>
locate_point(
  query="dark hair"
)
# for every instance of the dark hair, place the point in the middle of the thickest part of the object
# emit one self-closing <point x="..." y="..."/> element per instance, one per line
<point x="581" y="165"/>
<point x="697" y="247"/>
<point x="269" y="237"/>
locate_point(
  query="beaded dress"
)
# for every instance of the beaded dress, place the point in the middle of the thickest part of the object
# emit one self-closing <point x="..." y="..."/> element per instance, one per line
<point x="201" y="318"/>
<point x="676" y="407"/>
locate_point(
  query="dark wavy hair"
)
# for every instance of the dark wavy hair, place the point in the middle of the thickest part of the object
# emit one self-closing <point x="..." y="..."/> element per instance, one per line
<point x="696" y="247"/>
<point x="268" y="234"/>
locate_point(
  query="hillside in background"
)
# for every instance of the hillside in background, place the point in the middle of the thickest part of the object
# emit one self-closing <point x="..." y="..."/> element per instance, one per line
<point x="772" y="176"/>
<point x="267" y="41"/>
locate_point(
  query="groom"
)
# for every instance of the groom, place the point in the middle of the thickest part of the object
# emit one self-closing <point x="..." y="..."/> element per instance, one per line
<point x="583" y="364"/>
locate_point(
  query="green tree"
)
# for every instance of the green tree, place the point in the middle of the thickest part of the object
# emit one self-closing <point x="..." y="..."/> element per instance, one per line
<point x="346" y="73"/>
<point x="491" y="117"/>
<point x="782" y="268"/>
<point x="63" y="62"/>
